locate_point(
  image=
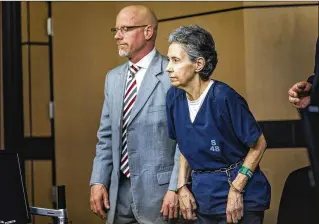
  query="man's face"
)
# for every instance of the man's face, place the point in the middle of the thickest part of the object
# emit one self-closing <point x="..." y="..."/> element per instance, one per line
<point x="180" y="68"/>
<point x="129" y="42"/>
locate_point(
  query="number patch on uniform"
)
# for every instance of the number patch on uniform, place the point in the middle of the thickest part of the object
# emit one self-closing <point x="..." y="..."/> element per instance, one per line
<point x="214" y="147"/>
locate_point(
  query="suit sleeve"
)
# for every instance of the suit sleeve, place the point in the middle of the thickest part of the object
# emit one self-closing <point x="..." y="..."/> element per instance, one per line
<point x="171" y="133"/>
<point x="174" y="177"/>
<point x="103" y="164"/>
<point x="170" y="116"/>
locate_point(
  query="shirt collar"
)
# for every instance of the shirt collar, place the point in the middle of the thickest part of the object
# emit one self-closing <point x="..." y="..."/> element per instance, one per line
<point x="146" y="61"/>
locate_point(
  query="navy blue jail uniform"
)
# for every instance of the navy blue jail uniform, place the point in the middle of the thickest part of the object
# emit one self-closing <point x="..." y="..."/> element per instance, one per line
<point x="222" y="133"/>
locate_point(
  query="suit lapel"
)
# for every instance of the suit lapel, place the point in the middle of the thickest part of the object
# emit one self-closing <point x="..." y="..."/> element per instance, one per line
<point x="120" y="86"/>
<point x="147" y="86"/>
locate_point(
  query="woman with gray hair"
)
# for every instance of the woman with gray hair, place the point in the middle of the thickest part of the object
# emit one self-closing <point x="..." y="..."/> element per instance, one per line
<point x="220" y="141"/>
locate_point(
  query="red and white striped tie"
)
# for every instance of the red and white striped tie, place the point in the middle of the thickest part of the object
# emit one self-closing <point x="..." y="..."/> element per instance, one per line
<point x="129" y="99"/>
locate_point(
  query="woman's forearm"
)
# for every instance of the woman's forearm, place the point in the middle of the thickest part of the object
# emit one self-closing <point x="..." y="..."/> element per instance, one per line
<point x="251" y="162"/>
<point x="183" y="173"/>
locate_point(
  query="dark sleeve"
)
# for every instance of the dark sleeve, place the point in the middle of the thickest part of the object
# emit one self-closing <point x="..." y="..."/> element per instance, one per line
<point x="316" y="57"/>
<point x="170" y="116"/>
<point x="244" y="124"/>
<point x="310" y="79"/>
<point x="315" y="82"/>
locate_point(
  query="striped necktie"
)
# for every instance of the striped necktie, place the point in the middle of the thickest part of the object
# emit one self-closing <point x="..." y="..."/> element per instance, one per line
<point x="129" y="99"/>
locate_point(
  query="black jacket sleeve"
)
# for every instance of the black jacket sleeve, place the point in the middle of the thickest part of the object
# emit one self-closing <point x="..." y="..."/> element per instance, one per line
<point x="311" y="78"/>
<point x="315" y="79"/>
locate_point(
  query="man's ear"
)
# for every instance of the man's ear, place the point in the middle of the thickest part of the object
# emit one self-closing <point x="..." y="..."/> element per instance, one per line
<point x="148" y="32"/>
<point x="199" y="64"/>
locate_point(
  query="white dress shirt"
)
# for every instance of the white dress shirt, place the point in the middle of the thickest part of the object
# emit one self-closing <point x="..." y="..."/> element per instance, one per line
<point x="143" y="64"/>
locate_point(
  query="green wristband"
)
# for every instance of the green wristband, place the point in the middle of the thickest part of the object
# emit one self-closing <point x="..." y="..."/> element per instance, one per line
<point x="246" y="171"/>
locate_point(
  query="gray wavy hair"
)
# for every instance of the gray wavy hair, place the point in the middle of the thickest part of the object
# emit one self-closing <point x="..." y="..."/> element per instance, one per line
<point x="197" y="42"/>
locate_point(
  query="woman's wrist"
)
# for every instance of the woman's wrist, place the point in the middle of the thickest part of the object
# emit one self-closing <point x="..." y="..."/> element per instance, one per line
<point x="182" y="182"/>
<point x="240" y="182"/>
<point x="180" y="186"/>
<point x="235" y="189"/>
<point x="246" y="171"/>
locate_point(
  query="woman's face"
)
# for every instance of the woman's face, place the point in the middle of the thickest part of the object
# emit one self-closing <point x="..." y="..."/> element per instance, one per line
<point x="180" y="69"/>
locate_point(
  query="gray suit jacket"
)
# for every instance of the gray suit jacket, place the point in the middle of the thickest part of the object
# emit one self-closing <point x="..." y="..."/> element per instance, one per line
<point x="151" y="152"/>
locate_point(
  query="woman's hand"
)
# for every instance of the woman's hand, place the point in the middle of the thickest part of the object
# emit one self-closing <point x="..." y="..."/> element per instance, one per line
<point x="235" y="206"/>
<point x="187" y="203"/>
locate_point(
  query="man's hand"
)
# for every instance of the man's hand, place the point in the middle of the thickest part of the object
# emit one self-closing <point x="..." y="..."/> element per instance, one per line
<point x="235" y="206"/>
<point x="299" y="94"/>
<point x="99" y="200"/>
<point x="170" y="205"/>
<point x="187" y="203"/>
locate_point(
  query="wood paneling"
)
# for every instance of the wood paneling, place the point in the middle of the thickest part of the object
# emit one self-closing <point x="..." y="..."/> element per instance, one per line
<point x="26" y="89"/>
<point x="277" y="164"/>
<point x="279" y="51"/>
<point x="40" y="91"/>
<point x="35" y="65"/>
<point x="261" y="3"/>
<point x="38" y="21"/>
<point x="84" y="50"/>
<point x="164" y="10"/>
<point x="36" y="92"/>
<point x="24" y="21"/>
<point x="39" y="187"/>
<point x="227" y="30"/>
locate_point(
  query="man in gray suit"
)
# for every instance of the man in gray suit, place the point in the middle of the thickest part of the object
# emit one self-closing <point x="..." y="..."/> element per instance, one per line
<point x="134" y="175"/>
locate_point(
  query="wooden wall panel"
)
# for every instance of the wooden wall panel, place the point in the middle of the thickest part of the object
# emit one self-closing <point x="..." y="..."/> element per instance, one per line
<point x="84" y="50"/>
<point x="277" y="164"/>
<point x="43" y="188"/>
<point x="227" y="30"/>
<point x="261" y="3"/>
<point x="36" y="90"/>
<point x="279" y="51"/>
<point x="35" y="65"/>
<point x="39" y="187"/>
<point x="164" y="10"/>
<point x="24" y="22"/>
<point x="26" y="89"/>
<point x="40" y="91"/>
<point x="29" y="181"/>
<point x="38" y="21"/>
